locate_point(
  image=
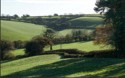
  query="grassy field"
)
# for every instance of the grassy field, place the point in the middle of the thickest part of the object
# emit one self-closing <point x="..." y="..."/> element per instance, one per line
<point x="86" y="22"/>
<point x="18" y="52"/>
<point x="27" y="63"/>
<point x="53" y="66"/>
<point x="84" y="46"/>
<point x="11" y="30"/>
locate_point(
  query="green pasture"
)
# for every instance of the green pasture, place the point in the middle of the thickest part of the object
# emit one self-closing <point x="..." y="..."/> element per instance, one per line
<point x="53" y="66"/>
<point x="86" y="22"/>
<point x="11" y="30"/>
<point x="83" y="46"/>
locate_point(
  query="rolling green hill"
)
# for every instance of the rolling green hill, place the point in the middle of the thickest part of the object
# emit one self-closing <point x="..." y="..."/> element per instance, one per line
<point x="86" y="22"/>
<point x="11" y="30"/>
<point x="52" y="66"/>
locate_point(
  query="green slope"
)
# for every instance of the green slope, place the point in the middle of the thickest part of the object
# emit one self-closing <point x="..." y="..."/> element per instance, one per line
<point x="11" y="30"/>
<point x="86" y="22"/>
<point x="52" y="66"/>
<point x="27" y="63"/>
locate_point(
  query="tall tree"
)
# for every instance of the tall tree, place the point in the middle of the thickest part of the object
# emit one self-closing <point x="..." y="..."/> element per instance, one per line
<point x="15" y="16"/>
<point x="49" y="33"/>
<point x="114" y="11"/>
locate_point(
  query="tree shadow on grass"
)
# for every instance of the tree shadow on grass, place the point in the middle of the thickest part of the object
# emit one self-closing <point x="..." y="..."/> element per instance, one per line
<point x="70" y="66"/>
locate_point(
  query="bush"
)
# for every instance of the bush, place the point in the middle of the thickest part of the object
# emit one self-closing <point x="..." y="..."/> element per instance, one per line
<point x="19" y="44"/>
<point x="5" y="47"/>
<point x="105" y="54"/>
<point x="33" y="48"/>
<point x="36" y="45"/>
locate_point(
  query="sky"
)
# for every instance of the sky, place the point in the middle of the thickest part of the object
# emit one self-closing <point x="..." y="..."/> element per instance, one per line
<point x="47" y="7"/>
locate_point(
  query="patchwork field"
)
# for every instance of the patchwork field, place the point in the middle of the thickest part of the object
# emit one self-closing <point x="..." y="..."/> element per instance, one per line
<point x="12" y="30"/>
<point x="53" y="65"/>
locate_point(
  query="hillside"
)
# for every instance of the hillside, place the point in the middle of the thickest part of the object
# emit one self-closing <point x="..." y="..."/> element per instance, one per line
<point x="66" y="22"/>
<point x="52" y="66"/>
<point x="86" y="22"/>
<point x="11" y="30"/>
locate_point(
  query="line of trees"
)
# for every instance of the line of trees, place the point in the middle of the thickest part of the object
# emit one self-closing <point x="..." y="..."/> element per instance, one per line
<point x="14" y="17"/>
<point x="75" y="36"/>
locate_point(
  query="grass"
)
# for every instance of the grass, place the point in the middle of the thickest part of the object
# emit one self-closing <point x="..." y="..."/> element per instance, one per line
<point x="18" y="52"/>
<point x="86" y="22"/>
<point x="84" y="46"/>
<point x="11" y="30"/>
<point x="52" y="66"/>
<point x="27" y="63"/>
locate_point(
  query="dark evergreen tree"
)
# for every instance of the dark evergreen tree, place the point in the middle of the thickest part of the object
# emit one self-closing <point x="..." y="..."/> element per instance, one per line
<point x="114" y="11"/>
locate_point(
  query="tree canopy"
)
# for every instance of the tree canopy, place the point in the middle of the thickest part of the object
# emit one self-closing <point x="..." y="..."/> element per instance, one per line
<point x="114" y="11"/>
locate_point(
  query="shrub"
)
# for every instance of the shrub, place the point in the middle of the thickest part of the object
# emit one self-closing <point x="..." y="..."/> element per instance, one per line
<point x="36" y="45"/>
<point x="19" y="44"/>
<point x="5" y="47"/>
<point x="33" y="48"/>
<point x="105" y="54"/>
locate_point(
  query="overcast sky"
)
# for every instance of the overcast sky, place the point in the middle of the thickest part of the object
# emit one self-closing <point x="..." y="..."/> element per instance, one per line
<point x="47" y="7"/>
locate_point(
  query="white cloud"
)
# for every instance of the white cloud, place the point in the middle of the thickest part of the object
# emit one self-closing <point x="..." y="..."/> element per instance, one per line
<point x="54" y="1"/>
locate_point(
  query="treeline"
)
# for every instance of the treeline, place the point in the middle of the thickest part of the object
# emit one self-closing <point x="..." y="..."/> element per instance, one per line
<point x="14" y="17"/>
<point x="75" y="36"/>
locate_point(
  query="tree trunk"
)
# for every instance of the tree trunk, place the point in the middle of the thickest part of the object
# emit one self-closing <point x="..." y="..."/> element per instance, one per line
<point x="51" y="47"/>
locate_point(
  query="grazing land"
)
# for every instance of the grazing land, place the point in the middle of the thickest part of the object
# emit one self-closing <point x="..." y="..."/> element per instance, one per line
<point x="11" y="30"/>
<point x="83" y="46"/>
<point x="53" y="66"/>
<point x="86" y="22"/>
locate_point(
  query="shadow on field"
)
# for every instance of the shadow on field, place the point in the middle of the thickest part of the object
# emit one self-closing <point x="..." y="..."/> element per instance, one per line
<point x="71" y="66"/>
